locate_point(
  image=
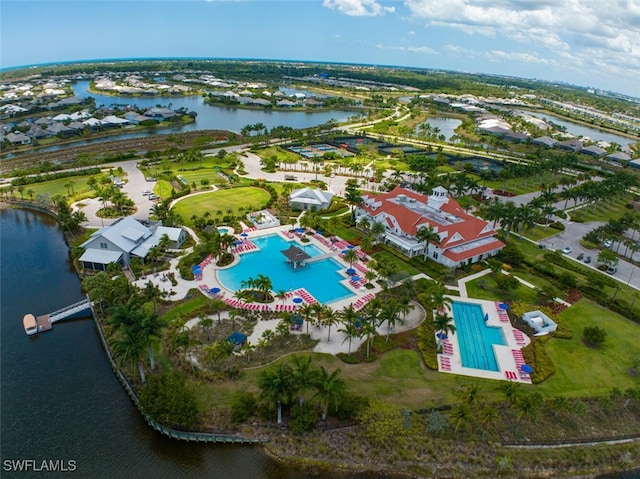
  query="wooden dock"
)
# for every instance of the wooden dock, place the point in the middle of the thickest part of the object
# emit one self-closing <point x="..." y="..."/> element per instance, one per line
<point x="44" y="324"/>
<point x="45" y="321"/>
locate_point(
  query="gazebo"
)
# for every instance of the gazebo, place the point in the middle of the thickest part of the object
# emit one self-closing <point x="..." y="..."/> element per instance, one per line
<point x="295" y="256"/>
<point x="237" y="339"/>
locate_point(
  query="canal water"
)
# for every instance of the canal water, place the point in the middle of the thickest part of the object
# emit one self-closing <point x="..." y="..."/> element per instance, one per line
<point x="61" y="400"/>
<point x="219" y="117"/>
<point x="579" y="129"/>
<point x="209" y="117"/>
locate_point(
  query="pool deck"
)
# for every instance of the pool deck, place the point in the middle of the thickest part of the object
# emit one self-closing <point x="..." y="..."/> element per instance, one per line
<point x="508" y="357"/>
<point x="209" y="280"/>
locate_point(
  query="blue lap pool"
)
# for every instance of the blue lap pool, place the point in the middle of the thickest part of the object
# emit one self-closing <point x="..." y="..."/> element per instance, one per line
<point x="320" y="278"/>
<point x="475" y="338"/>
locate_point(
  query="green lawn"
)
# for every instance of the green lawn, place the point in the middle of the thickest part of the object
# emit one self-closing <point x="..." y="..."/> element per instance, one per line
<point x="397" y="377"/>
<point x="56" y="187"/>
<point x="224" y="200"/>
<point x="605" y="211"/>
<point x="491" y="291"/>
<point x="585" y="371"/>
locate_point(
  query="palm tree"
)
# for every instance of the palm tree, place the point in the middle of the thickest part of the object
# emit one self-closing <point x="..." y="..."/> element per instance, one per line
<point x="276" y="385"/>
<point x="130" y="347"/>
<point x="349" y="318"/>
<point x="330" y="390"/>
<point x="350" y="256"/>
<point x="329" y="319"/>
<point x="364" y="224"/>
<point x="304" y="377"/>
<point x="307" y="312"/>
<point x="437" y="296"/>
<point x="151" y="330"/>
<point x="442" y="323"/>
<point x="389" y="313"/>
<point x="427" y="234"/>
<point x="378" y="230"/>
<point x="282" y="295"/>
<point x="509" y="219"/>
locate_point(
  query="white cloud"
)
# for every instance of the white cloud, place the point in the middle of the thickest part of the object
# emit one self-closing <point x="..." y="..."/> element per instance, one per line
<point x="423" y="49"/>
<point x="358" y="8"/>
<point x="589" y="35"/>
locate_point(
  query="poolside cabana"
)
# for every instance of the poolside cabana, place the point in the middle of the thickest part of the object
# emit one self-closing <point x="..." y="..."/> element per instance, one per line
<point x="540" y="322"/>
<point x="237" y="339"/>
<point x="296" y="257"/>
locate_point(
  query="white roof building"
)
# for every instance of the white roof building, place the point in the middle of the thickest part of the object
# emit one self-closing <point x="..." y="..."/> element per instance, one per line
<point x="310" y="199"/>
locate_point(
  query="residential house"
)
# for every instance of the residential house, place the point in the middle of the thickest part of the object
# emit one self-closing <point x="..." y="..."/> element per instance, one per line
<point x="125" y="239"/>
<point x="18" y="139"/>
<point x="545" y="141"/>
<point x="593" y="150"/>
<point x="160" y="113"/>
<point x="310" y="199"/>
<point x="572" y="144"/>
<point x="462" y="237"/>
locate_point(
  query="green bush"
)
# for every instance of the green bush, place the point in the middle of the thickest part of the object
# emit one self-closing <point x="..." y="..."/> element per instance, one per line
<point x="427" y="343"/>
<point x="350" y="407"/>
<point x="594" y="335"/>
<point x="243" y="407"/>
<point x="556" y="225"/>
<point x="303" y="418"/>
<point x="536" y="356"/>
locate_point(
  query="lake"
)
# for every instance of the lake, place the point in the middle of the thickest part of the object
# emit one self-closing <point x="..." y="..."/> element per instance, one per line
<point x="579" y="129"/>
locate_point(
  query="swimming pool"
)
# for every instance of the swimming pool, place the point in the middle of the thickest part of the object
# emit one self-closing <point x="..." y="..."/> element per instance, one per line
<point x="320" y="279"/>
<point x="475" y="338"/>
<point x="224" y="230"/>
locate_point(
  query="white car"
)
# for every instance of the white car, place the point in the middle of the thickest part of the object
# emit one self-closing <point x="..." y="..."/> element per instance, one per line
<point x="566" y="250"/>
<point x="608" y="244"/>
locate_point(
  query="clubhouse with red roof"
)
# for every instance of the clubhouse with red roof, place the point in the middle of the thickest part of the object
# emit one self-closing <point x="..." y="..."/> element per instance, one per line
<point x="462" y="237"/>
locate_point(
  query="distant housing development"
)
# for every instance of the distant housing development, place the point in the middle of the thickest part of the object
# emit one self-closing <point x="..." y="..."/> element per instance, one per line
<point x="463" y="238"/>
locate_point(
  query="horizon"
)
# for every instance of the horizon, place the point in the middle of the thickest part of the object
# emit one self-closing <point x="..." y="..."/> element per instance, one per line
<point x="280" y="60"/>
<point x="543" y="40"/>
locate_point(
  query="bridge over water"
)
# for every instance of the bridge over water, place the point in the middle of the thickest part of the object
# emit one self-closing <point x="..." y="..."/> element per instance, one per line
<point x="45" y="321"/>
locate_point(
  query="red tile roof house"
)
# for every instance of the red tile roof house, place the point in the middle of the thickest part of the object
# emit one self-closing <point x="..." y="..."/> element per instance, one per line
<point x="464" y="238"/>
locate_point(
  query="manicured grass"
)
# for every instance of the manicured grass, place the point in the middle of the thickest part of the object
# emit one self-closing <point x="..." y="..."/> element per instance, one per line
<point x="56" y="187"/>
<point x="584" y="371"/>
<point x="163" y="188"/>
<point x="401" y="265"/>
<point x="224" y="200"/>
<point x="397" y="377"/>
<point x="540" y="233"/>
<point x="491" y="291"/>
<point x="605" y="211"/>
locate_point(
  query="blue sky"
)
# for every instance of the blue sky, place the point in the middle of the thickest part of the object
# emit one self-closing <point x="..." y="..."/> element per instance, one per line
<point x="585" y="42"/>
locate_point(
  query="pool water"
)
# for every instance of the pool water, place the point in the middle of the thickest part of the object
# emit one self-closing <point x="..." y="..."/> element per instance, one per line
<point x="320" y="279"/>
<point x="224" y="230"/>
<point x="475" y="338"/>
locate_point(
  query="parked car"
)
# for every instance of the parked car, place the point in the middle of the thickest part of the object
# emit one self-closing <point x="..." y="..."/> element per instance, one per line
<point x="587" y="259"/>
<point x="612" y="270"/>
<point x="580" y="256"/>
<point x="150" y="178"/>
<point x="566" y="250"/>
<point x="608" y="244"/>
<point x="147" y="193"/>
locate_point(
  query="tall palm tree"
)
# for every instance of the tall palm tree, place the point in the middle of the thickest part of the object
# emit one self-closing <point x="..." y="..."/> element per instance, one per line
<point x="509" y="218"/>
<point x="442" y="323"/>
<point x="307" y="312"/>
<point x="151" y="330"/>
<point x="329" y="318"/>
<point x="350" y="256"/>
<point x="427" y="234"/>
<point x="330" y="390"/>
<point x="303" y="376"/>
<point x="276" y="385"/>
<point x="437" y="292"/>
<point x="389" y="313"/>
<point x="378" y="230"/>
<point x="130" y="348"/>
<point x="364" y="224"/>
<point x="349" y="318"/>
